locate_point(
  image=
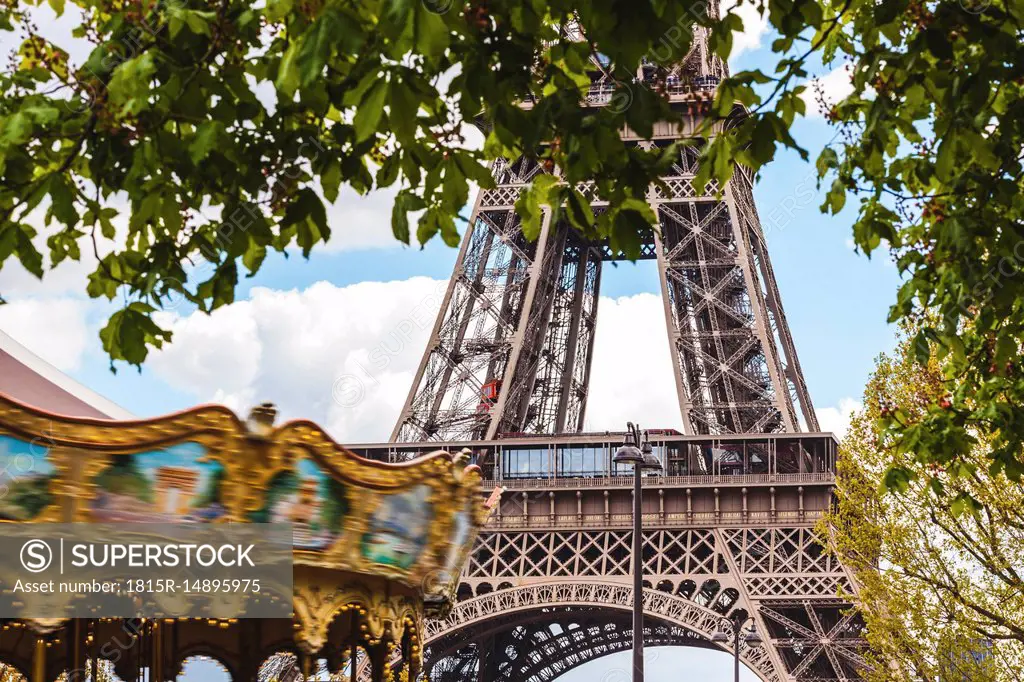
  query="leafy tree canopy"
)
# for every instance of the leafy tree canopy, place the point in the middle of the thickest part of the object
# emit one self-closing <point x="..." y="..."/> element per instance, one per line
<point x="218" y="128"/>
<point x="941" y="585"/>
<point x="932" y="149"/>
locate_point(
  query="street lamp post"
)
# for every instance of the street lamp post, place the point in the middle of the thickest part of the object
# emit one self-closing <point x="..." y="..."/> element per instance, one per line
<point x="641" y="458"/>
<point x="750" y="637"/>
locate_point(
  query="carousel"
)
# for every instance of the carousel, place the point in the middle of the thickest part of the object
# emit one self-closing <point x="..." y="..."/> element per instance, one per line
<point x="376" y="547"/>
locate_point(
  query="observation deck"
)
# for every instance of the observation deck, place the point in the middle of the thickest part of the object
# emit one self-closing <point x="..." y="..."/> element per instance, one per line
<point x="570" y="481"/>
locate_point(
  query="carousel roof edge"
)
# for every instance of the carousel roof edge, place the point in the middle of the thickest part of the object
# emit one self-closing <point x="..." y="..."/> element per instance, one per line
<point x="111" y="422"/>
<point x="310" y="427"/>
<point x="322" y="433"/>
<point x="29" y="380"/>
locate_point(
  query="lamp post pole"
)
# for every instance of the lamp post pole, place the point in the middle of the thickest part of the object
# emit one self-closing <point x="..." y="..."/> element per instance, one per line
<point x="641" y="458"/>
<point x="750" y="637"/>
<point x="638" y="578"/>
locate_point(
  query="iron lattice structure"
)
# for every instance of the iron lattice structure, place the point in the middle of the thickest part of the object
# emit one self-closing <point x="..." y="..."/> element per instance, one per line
<point x="730" y="528"/>
<point x="519" y="647"/>
<point x="519" y="583"/>
<point x="511" y="350"/>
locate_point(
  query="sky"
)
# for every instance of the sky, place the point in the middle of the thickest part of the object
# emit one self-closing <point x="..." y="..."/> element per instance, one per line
<point x="301" y="331"/>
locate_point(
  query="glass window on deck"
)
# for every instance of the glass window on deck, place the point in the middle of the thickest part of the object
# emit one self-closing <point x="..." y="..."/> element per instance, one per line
<point x="580" y="461"/>
<point x="657" y="449"/>
<point x="525" y="462"/>
<point x="727" y="458"/>
<point x="686" y="459"/>
<point x="792" y="457"/>
<point x="756" y="456"/>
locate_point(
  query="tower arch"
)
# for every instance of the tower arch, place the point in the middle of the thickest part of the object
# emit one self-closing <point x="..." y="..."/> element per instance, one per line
<point x="568" y="624"/>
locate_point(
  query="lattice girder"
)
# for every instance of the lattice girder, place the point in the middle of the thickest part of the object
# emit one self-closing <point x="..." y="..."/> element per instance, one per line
<point x="817" y="639"/>
<point x="511" y="350"/>
<point x="523" y="646"/>
<point x="469" y="616"/>
<point x="693" y="577"/>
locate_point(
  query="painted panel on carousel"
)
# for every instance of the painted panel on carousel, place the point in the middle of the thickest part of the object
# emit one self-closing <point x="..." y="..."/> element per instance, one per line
<point x="459" y="535"/>
<point x="306" y="497"/>
<point x="177" y="483"/>
<point x="398" y="528"/>
<point x="25" y="475"/>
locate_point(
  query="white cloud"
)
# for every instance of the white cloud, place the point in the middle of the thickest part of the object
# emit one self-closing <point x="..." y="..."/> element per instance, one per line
<point x="837" y="419"/>
<point x="346" y="356"/>
<point x="631" y="376"/>
<point x="361" y="221"/>
<point x="824" y="92"/>
<point x="70" y="277"/>
<point x="53" y="328"/>
<point x="754" y="25"/>
<point x="342" y="356"/>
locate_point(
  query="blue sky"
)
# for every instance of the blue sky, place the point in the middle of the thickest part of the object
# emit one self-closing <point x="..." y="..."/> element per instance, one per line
<point x="300" y="327"/>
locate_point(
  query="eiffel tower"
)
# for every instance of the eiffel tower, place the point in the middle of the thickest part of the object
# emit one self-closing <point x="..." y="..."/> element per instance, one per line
<point x="730" y="522"/>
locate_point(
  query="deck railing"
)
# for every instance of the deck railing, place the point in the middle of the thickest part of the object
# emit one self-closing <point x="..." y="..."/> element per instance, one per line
<point x="651" y="520"/>
<point x="572" y="483"/>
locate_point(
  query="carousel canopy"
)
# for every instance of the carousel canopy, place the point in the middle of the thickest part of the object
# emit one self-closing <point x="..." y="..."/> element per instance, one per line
<point x="29" y="379"/>
<point x="374" y="547"/>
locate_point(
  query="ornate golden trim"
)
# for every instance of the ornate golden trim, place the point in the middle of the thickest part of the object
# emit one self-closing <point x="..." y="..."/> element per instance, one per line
<point x="388" y="598"/>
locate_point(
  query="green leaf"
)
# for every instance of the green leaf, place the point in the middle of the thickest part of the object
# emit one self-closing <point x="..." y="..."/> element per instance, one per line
<point x="309" y="218"/>
<point x="405" y="202"/>
<point x="175" y="22"/>
<point x="17" y="129"/>
<point x="43" y="115"/>
<point x="198" y="22"/>
<point x="946" y="158"/>
<point x="827" y="160"/>
<point x="922" y="348"/>
<point x="278" y="9"/>
<point x="288" y="73"/>
<point x="964" y="503"/>
<point x="205" y="140"/>
<point x="400" y="220"/>
<point x="388" y="172"/>
<point x="170" y="212"/>
<point x="330" y="180"/>
<point x="581" y="215"/>
<point x="528" y="205"/>
<point x="253" y="257"/>
<point x="129" y="87"/>
<point x="836" y="197"/>
<point x="370" y="110"/>
<point x="129" y="332"/>
<point x="435" y="220"/>
<point x="315" y="50"/>
<point x="898" y="479"/>
<point x="23" y="247"/>
<point x="62" y="201"/>
<point x="333" y="30"/>
<point x="432" y="35"/>
<point x="404" y="107"/>
<point x="427" y="226"/>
